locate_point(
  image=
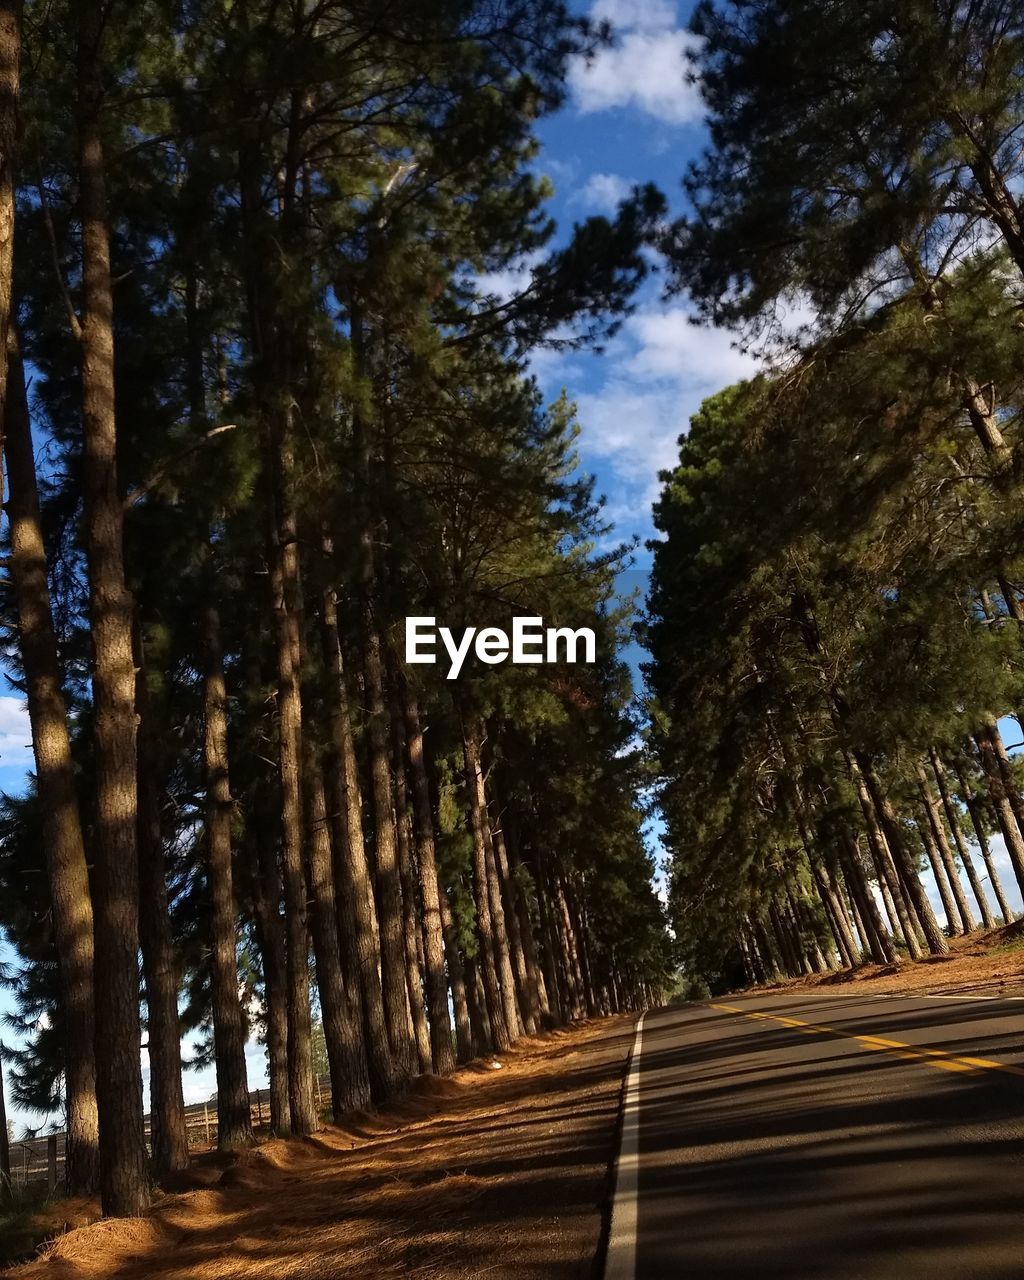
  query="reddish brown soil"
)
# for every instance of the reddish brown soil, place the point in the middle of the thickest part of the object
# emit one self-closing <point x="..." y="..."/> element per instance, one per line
<point x="985" y="963"/>
<point x="491" y="1173"/>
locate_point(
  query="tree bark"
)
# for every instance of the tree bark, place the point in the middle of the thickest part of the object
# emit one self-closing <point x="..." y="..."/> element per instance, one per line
<point x="971" y="803"/>
<point x="270" y="928"/>
<point x="407" y="875"/>
<point x="945" y="858"/>
<point x="350" y="1083"/>
<point x="999" y="795"/>
<point x="426" y="860"/>
<point x="67" y="872"/>
<point x="987" y="918"/>
<point x="168" y="1135"/>
<point x="353" y="879"/>
<point x="934" y="937"/>
<point x="502" y="1033"/>
<point x="529" y="1000"/>
<point x="234" y="1126"/>
<point x="465" y="1044"/>
<point x="123" y="1184"/>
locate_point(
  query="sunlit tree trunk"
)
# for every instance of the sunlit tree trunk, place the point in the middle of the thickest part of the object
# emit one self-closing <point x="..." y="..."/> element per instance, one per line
<point x="123" y="1183"/>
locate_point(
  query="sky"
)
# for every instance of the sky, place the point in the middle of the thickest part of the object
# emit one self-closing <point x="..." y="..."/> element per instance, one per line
<point x="631" y="117"/>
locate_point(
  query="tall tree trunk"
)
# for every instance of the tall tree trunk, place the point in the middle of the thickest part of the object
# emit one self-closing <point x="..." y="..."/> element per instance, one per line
<point x="284" y="581"/>
<point x="168" y="1134"/>
<point x="521" y="880"/>
<point x="426" y="861"/>
<point x="483" y="1033"/>
<point x="350" y="1082"/>
<point x="407" y="874"/>
<point x="234" y="1125"/>
<point x="878" y="940"/>
<point x="502" y="1033"/>
<point x="987" y="918"/>
<point x="944" y="852"/>
<point x="270" y="927"/>
<point x="934" y="937"/>
<point x="464" y="1040"/>
<point x="999" y="794"/>
<point x="529" y="1001"/>
<point x="939" y="874"/>
<point x="502" y="955"/>
<point x="67" y="872"/>
<point x="885" y="868"/>
<point x="971" y="804"/>
<point x="123" y="1183"/>
<point x="392" y="941"/>
<point x="352" y="871"/>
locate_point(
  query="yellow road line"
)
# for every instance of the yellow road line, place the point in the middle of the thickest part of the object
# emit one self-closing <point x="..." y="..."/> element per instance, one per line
<point x="940" y="1059"/>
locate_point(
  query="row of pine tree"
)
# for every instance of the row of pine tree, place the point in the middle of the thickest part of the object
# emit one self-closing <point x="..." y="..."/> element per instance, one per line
<point x="838" y="598"/>
<point x="256" y="411"/>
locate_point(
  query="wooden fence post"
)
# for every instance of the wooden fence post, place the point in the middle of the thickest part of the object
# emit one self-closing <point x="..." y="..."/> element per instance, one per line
<point x="259" y="1108"/>
<point x="206" y="1117"/>
<point x="51" y="1163"/>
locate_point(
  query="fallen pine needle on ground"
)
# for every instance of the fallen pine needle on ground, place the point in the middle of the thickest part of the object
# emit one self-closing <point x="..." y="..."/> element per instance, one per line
<point x="988" y="962"/>
<point x="488" y="1173"/>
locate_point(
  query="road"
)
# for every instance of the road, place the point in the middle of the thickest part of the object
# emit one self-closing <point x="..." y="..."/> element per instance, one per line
<point x="799" y="1136"/>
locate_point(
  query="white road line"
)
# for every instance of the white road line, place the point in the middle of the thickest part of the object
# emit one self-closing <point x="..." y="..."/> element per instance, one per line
<point x="620" y="1262"/>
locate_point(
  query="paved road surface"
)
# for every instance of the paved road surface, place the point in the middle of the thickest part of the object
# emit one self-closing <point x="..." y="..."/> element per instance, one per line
<point x="840" y="1136"/>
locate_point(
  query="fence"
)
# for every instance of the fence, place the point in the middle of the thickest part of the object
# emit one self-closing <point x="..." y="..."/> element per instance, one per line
<point x="35" y="1161"/>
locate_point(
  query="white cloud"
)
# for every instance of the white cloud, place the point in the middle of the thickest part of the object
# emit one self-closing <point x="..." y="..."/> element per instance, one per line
<point x="15" y="734"/>
<point x="645" y="67"/>
<point x="670" y="345"/>
<point x="657" y="371"/>
<point x="509" y="281"/>
<point x="603" y="192"/>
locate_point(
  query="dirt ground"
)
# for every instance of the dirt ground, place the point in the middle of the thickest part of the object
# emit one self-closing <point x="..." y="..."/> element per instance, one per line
<point x="985" y="963"/>
<point x="499" y="1173"/>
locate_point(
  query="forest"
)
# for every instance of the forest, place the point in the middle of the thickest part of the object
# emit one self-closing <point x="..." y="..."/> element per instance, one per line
<point x="257" y="409"/>
<point x="838" y="592"/>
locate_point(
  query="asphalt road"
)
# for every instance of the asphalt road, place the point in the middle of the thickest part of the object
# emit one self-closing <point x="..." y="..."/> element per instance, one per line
<point x="839" y="1136"/>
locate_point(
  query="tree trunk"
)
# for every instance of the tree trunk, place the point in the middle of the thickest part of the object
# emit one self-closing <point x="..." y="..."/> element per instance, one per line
<point x="168" y="1138"/>
<point x="502" y="1033"/>
<point x="350" y="1083"/>
<point x="987" y="918"/>
<point x="520" y="878"/>
<point x="502" y="956"/>
<point x="234" y="1126"/>
<point x="945" y="854"/>
<point x="999" y="794"/>
<point x="352" y="871"/>
<point x="123" y="1182"/>
<point x="878" y="940"/>
<point x="270" y="927"/>
<point x="407" y="874"/>
<point x="67" y="872"/>
<point x="464" y="1043"/>
<point x="284" y="581"/>
<point x="971" y="803"/>
<point x="529" y="1001"/>
<point x="885" y="868"/>
<point x="934" y="937"/>
<point x="426" y="861"/>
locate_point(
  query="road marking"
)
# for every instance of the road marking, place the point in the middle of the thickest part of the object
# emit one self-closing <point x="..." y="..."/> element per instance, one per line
<point x="620" y="1261"/>
<point x="940" y="1059"/>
